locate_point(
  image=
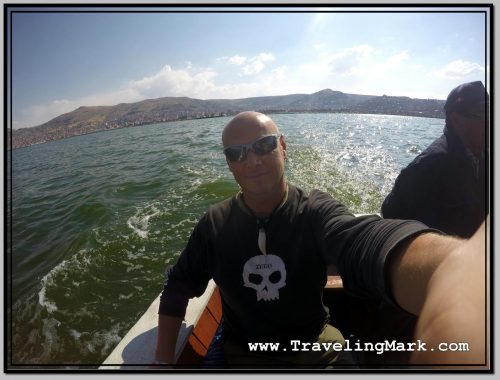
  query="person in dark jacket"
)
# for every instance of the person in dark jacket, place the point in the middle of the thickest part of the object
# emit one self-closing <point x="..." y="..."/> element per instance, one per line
<point x="445" y="186"/>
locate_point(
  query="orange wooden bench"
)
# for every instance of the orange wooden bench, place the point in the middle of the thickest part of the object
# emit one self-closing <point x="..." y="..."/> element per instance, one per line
<point x="203" y="332"/>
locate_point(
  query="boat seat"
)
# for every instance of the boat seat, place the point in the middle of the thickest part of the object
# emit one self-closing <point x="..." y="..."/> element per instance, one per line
<point x="201" y="337"/>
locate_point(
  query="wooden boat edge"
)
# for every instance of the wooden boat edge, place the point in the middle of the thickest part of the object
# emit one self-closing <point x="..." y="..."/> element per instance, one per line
<point x="136" y="349"/>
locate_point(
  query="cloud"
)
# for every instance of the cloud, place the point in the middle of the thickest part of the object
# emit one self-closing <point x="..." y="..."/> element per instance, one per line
<point x="397" y="59"/>
<point x="237" y="60"/>
<point x="350" y="61"/>
<point x="253" y="65"/>
<point x="169" y="82"/>
<point x="257" y="63"/>
<point x="458" y="69"/>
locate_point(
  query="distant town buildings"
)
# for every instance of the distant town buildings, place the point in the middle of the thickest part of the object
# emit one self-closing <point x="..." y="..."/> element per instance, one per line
<point x="86" y="120"/>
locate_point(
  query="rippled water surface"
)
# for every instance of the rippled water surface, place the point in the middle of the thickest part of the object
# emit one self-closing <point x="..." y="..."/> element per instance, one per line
<point x="96" y="219"/>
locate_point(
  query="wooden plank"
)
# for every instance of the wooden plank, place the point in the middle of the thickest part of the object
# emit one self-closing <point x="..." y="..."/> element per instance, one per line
<point x="205" y="328"/>
<point x="215" y="305"/>
<point x="202" y="334"/>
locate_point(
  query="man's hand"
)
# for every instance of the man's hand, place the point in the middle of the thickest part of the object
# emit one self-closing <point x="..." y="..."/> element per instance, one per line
<point x="455" y="308"/>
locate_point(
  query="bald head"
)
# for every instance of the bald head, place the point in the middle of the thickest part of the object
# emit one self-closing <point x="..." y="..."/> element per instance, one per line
<point x="258" y="165"/>
<point x="246" y="127"/>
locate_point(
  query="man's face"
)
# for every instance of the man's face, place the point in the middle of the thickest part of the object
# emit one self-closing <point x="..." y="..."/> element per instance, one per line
<point x="471" y="127"/>
<point x="257" y="174"/>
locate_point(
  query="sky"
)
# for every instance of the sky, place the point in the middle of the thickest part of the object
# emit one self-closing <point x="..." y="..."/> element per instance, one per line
<point x="61" y="61"/>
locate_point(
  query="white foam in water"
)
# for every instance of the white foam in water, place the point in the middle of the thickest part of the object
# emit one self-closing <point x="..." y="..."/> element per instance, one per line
<point x="46" y="281"/>
<point x="182" y="223"/>
<point x="51" y="307"/>
<point x="139" y="253"/>
<point x="105" y="340"/>
<point x="51" y="340"/>
<point x="75" y="334"/>
<point x="125" y="297"/>
<point x="132" y="267"/>
<point x="140" y="223"/>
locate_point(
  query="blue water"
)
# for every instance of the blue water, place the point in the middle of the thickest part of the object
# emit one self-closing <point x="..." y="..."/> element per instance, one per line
<point x="96" y="219"/>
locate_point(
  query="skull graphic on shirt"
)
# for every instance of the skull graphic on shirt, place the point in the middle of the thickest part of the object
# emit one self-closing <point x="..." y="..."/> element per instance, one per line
<point x="266" y="274"/>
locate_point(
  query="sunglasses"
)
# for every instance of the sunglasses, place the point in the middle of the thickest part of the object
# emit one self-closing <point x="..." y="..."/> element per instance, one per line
<point x="261" y="146"/>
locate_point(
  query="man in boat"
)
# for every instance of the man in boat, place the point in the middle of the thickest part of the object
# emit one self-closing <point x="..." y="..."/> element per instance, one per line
<point x="445" y="186"/>
<point x="267" y="248"/>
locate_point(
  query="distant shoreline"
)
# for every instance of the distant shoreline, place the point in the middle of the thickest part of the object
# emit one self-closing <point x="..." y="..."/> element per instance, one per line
<point x="273" y="112"/>
<point x="85" y="120"/>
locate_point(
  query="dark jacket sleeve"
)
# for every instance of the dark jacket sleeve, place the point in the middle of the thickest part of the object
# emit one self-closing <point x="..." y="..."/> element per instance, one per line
<point x="407" y="194"/>
<point x="418" y="190"/>
<point x="189" y="277"/>
<point x="360" y="246"/>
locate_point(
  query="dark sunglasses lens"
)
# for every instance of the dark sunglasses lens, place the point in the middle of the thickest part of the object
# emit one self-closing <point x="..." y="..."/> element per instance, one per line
<point x="234" y="153"/>
<point x="265" y="145"/>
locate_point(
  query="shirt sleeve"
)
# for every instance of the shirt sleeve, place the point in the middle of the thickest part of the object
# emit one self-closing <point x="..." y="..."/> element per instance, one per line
<point x="360" y="246"/>
<point x="189" y="277"/>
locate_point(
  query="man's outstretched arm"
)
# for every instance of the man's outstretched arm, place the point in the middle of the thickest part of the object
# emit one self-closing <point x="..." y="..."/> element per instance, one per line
<point x="442" y="279"/>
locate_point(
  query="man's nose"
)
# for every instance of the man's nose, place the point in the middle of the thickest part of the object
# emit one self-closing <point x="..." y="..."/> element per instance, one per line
<point x="253" y="158"/>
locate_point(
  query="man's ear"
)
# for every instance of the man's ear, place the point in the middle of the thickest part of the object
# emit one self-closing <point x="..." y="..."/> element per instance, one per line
<point x="283" y="145"/>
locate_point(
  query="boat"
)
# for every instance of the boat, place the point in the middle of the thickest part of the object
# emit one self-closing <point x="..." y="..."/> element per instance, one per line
<point x="203" y="316"/>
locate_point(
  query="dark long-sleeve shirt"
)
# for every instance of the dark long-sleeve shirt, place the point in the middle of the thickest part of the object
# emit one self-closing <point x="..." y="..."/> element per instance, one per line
<point x="278" y="296"/>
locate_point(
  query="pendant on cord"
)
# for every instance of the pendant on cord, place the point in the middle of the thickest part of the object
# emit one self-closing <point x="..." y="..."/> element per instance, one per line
<point x="261" y="240"/>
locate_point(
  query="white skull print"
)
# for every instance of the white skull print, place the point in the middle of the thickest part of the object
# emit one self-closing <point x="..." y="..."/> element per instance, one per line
<point x="266" y="274"/>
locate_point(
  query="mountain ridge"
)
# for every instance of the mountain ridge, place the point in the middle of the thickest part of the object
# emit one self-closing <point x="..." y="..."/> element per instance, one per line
<point x="90" y="119"/>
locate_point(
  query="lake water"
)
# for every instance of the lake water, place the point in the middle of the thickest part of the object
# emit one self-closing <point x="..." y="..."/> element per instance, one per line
<point x="96" y="219"/>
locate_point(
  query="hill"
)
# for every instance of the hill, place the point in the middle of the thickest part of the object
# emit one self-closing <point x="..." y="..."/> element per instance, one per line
<point x="100" y="118"/>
